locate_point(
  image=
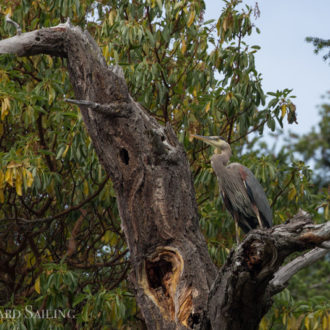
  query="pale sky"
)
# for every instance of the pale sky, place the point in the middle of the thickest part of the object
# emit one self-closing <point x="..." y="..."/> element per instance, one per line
<point x="285" y="59"/>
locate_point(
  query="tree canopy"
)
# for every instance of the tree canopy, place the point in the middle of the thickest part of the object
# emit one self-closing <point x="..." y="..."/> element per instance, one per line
<point x="61" y="237"/>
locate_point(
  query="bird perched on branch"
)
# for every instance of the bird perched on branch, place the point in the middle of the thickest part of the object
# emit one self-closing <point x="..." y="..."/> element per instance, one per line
<point x="242" y="193"/>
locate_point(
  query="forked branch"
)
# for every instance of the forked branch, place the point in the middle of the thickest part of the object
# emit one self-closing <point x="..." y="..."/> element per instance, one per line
<point x="285" y="273"/>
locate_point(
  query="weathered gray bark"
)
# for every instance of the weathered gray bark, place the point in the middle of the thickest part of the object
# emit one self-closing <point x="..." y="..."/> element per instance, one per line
<point x="172" y="271"/>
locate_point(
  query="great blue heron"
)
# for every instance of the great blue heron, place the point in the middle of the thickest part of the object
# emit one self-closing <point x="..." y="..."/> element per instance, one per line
<point x="243" y="195"/>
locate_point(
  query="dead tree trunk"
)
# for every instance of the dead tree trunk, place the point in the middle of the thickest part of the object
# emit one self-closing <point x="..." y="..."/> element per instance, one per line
<point x="177" y="285"/>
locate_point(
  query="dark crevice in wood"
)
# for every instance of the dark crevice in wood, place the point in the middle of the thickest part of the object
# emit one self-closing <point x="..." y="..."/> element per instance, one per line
<point x="161" y="273"/>
<point x="157" y="273"/>
<point x="124" y="156"/>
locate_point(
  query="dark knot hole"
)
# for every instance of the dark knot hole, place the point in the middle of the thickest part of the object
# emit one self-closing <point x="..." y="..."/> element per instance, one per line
<point x="157" y="273"/>
<point x="124" y="156"/>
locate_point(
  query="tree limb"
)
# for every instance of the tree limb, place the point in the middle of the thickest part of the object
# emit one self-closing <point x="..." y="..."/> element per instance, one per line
<point x="113" y="109"/>
<point x="16" y="25"/>
<point x="63" y="213"/>
<point x="284" y="274"/>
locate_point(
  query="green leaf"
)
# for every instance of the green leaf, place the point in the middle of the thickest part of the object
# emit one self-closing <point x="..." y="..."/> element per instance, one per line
<point x="271" y="124"/>
<point x="78" y="299"/>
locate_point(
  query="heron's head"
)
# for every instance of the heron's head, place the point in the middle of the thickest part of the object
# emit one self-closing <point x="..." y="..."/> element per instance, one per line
<point x="216" y="141"/>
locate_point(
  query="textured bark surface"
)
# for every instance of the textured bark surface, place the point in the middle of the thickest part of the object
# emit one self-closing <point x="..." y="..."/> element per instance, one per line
<point x="154" y="190"/>
<point x="177" y="285"/>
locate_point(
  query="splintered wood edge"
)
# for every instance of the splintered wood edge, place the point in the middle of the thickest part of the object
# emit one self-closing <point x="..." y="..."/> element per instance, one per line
<point x="159" y="278"/>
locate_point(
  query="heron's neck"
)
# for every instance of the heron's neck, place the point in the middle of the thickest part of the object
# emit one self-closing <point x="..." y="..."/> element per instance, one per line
<point x="219" y="162"/>
<point x="222" y="156"/>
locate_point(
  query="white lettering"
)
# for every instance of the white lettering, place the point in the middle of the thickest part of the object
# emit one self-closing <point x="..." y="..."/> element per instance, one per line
<point x="62" y="313"/>
<point x="10" y="314"/>
<point x="16" y="313"/>
<point x="29" y="311"/>
<point x="38" y="314"/>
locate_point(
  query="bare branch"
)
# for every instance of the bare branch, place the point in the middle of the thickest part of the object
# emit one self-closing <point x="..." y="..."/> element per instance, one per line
<point x="48" y="41"/>
<point x="72" y="246"/>
<point x="301" y="231"/>
<point x="120" y="109"/>
<point x="63" y="213"/>
<point x="325" y="245"/>
<point x="16" y="25"/>
<point x="111" y="263"/>
<point x="284" y="274"/>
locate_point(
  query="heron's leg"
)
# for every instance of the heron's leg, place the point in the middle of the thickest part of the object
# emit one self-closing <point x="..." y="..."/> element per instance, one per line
<point x="256" y="211"/>
<point x="259" y="220"/>
<point x="237" y="230"/>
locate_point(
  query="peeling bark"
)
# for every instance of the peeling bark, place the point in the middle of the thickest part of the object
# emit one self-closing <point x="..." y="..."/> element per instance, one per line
<point x="177" y="285"/>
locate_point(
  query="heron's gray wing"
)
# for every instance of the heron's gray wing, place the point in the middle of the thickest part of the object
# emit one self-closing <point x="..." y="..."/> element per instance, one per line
<point x="255" y="192"/>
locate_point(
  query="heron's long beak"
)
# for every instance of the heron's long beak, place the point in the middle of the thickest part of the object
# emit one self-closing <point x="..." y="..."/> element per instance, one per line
<point x="206" y="139"/>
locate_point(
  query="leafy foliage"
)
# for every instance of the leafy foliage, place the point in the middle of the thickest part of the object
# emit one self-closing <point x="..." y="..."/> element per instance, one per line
<point x="320" y="44"/>
<point x="292" y="314"/>
<point x="61" y="242"/>
<point x="315" y="146"/>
